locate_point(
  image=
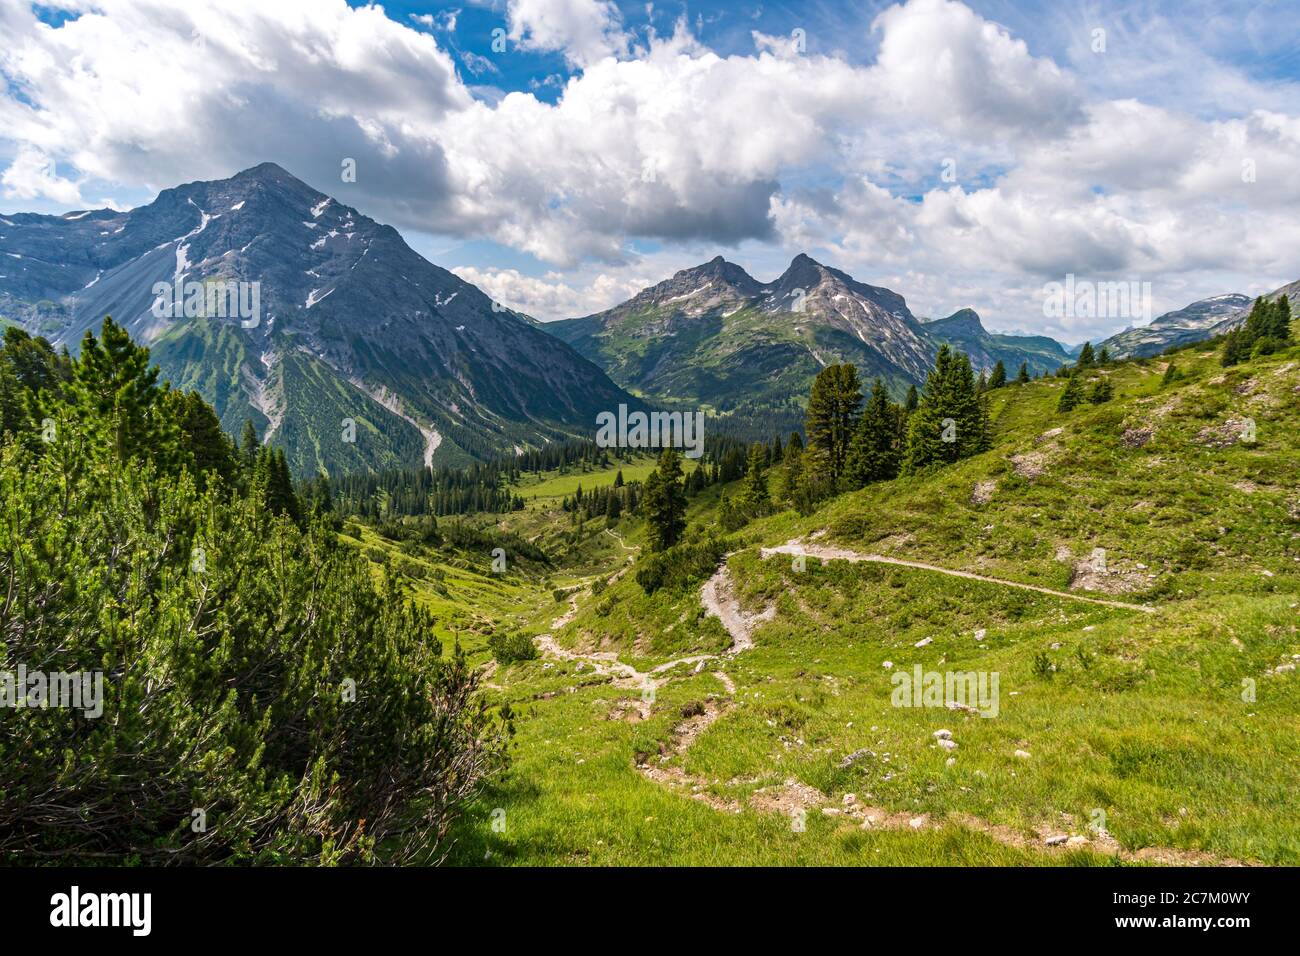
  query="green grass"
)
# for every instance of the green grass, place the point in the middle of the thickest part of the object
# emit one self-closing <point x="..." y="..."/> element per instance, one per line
<point x="552" y="485"/>
<point x="1143" y="720"/>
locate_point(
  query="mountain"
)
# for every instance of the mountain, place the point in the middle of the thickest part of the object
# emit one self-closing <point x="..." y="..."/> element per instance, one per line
<point x="963" y="330"/>
<point x="1290" y="290"/>
<point x="354" y="325"/>
<point x="714" y="335"/>
<point x="1189" y="324"/>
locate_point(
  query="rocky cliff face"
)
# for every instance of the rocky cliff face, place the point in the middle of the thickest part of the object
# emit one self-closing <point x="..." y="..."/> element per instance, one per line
<point x="353" y="324"/>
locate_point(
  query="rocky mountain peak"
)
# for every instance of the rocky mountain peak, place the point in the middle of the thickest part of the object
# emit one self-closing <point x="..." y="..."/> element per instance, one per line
<point x="961" y="322"/>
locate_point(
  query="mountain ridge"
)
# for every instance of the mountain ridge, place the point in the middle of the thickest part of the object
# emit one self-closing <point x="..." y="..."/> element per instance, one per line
<point x="358" y="334"/>
<point x="712" y="332"/>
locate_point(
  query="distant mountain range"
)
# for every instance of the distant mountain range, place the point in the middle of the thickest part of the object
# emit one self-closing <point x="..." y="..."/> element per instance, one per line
<point x="364" y="355"/>
<point x="714" y="335"/>
<point x="357" y="333"/>
<point x="1189" y="324"/>
<point x="1201" y="320"/>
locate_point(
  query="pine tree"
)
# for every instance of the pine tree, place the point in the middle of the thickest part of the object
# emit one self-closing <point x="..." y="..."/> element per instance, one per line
<point x="754" y="497"/>
<point x="791" y="473"/>
<point x="951" y="422"/>
<point x="1104" y="357"/>
<point x="1086" y="358"/>
<point x="114" y="394"/>
<point x="876" y="451"/>
<point x="35" y="364"/>
<point x="1236" y="347"/>
<point x="249" y="445"/>
<point x="224" y="637"/>
<point x="1266" y="329"/>
<point x="1072" y="396"/>
<point x="1023" y="375"/>
<point x="913" y="399"/>
<point x="14" y="420"/>
<point x="203" y="443"/>
<point x="1171" y="374"/>
<point x="1279" y="325"/>
<point x="664" y="502"/>
<point x="999" y="376"/>
<point x="1101" y="391"/>
<point x="276" y="484"/>
<point x="832" y="407"/>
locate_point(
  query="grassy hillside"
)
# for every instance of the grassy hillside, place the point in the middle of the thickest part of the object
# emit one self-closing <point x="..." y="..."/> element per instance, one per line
<point x="1165" y="735"/>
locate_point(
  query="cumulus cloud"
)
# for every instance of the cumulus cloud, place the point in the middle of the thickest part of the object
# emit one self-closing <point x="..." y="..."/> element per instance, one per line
<point x="942" y="62"/>
<point x="585" y="31"/>
<point x="554" y="296"/>
<point x="669" y="141"/>
<point x="33" y="175"/>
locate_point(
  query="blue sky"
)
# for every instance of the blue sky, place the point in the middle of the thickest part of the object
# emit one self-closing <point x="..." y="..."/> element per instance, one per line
<point x="564" y="153"/>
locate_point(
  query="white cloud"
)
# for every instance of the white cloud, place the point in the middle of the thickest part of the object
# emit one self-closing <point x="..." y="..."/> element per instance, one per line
<point x="669" y="141"/>
<point x="585" y="31"/>
<point x="445" y="20"/>
<point x="941" y="62"/>
<point x="552" y="297"/>
<point x="33" y="175"/>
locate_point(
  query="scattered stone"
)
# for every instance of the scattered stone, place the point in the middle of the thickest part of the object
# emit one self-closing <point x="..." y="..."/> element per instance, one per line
<point x="979" y="633"/>
<point x="1022" y="754"/>
<point x="983" y="492"/>
<point x="1137" y="437"/>
<point x="950" y="761"/>
<point x="924" y="641"/>
<point x="1031" y="464"/>
<point x="1057" y="840"/>
<point x="943" y="734"/>
<point x="850" y="759"/>
<point x="1231" y="432"/>
<point x="948" y="744"/>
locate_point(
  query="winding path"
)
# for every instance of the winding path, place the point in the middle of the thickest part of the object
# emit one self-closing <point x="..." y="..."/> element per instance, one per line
<point x="719" y="599"/>
<point x="826" y="553"/>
